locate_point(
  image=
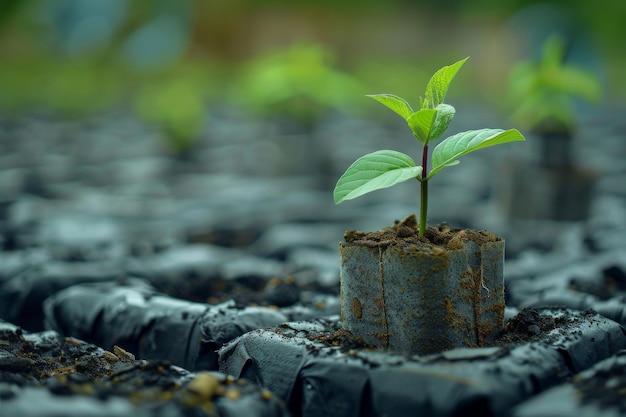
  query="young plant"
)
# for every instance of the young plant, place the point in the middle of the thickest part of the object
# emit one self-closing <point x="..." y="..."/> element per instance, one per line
<point x="543" y="90"/>
<point x="382" y="169"/>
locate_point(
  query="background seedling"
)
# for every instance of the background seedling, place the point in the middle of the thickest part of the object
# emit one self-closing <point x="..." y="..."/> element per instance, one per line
<point x="544" y="91"/>
<point x="384" y="168"/>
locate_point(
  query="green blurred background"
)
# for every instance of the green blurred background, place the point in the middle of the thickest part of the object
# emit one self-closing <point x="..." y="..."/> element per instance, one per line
<point x="171" y="61"/>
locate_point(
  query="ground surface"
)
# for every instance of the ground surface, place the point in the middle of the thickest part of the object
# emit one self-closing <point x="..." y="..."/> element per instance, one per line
<point x="119" y="259"/>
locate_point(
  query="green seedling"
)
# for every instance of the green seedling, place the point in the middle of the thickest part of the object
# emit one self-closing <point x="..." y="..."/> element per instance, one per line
<point x="299" y="81"/>
<point x="382" y="169"/>
<point x="177" y="106"/>
<point x="543" y="90"/>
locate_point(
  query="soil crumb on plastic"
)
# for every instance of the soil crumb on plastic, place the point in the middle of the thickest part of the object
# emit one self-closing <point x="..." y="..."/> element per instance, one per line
<point x="407" y="232"/>
<point x="342" y="338"/>
<point x="527" y="325"/>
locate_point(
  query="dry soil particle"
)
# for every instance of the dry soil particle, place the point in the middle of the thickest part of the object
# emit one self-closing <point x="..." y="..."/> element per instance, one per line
<point x="70" y="367"/>
<point x="341" y="338"/>
<point x="527" y="326"/>
<point x="407" y="232"/>
<point x="47" y="354"/>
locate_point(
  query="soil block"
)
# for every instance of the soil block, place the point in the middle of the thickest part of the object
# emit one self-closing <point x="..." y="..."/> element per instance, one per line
<point x="318" y="368"/>
<point x="422" y="295"/>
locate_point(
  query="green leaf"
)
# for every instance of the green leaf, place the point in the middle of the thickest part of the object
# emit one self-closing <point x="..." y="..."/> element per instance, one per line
<point x="542" y="91"/>
<point x="437" y="87"/>
<point x="445" y="114"/>
<point x="451" y="149"/>
<point x="395" y="103"/>
<point x="579" y="83"/>
<point x="376" y="170"/>
<point x="420" y="123"/>
<point x="553" y="52"/>
<point x="429" y="124"/>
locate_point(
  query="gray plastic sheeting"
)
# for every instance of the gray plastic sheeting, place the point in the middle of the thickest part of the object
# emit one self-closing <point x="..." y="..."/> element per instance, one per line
<point x="317" y="379"/>
<point x="151" y="325"/>
<point x="572" y="398"/>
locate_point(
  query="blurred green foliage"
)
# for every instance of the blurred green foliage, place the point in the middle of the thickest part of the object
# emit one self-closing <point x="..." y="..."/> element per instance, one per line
<point x="177" y="101"/>
<point x="543" y="91"/>
<point x="280" y="57"/>
<point x="74" y="87"/>
<point x="299" y="82"/>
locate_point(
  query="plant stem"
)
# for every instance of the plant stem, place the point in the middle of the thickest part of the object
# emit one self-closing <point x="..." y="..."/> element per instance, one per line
<point x="424" y="192"/>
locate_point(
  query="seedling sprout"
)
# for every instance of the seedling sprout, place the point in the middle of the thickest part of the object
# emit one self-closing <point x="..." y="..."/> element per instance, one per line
<point x="384" y="168"/>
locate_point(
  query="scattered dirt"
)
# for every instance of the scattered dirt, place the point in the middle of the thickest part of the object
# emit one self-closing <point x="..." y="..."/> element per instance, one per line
<point x="528" y="325"/>
<point x="50" y="355"/>
<point x="70" y="367"/>
<point x="407" y="232"/>
<point x="342" y="338"/>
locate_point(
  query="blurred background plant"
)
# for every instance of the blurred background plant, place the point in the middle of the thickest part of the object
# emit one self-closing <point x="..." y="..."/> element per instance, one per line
<point x="547" y="93"/>
<point x="177" y="102"/>
<point x="298" y="82"/>
<point x="172" y="61"/>
<point x="543" y="91"/>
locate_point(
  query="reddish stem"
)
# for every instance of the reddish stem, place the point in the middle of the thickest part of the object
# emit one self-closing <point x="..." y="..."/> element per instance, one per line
<point x="425" y="161"/>
<point x="424" y="192"/>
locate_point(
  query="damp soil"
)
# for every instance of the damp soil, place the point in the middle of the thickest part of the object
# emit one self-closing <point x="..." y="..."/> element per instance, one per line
<point x="341" y="338"/>
<point x="28" y="360"/>
<point x="527" y="326"/>
<point x="70" y="367"/>
<point x="436" y="239"/>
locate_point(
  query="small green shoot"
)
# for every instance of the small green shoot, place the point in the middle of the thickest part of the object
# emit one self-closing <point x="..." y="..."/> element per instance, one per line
<point x="542" y="91"/>
<point x="382" y="169"/>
